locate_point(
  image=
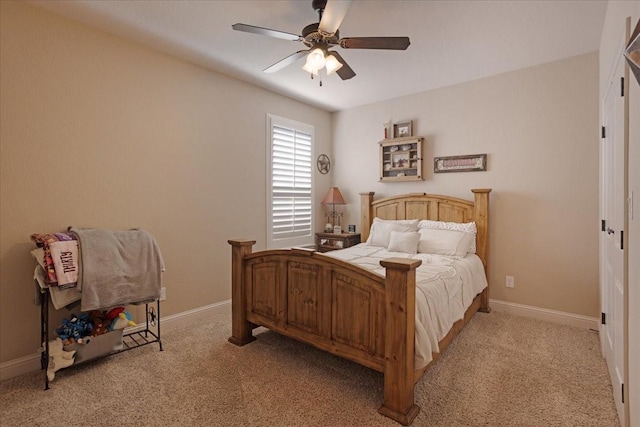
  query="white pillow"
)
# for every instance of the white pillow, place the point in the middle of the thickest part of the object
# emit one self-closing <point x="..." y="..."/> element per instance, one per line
<point x="404" y="242"/>
<point x="381" y="229"/>
<point x="467" y="227"/>
<point x="444" y="242"/>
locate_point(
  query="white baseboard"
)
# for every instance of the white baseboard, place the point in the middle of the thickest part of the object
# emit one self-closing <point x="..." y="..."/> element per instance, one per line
<point x="545" y="314"/>
<point x="30" y="363"/>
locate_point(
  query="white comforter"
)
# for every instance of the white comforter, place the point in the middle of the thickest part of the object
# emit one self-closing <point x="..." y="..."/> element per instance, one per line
<point x="445" y="287"/>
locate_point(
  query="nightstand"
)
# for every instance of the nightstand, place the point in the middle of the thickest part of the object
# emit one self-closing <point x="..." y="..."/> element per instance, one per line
<point x="326" y="242"/>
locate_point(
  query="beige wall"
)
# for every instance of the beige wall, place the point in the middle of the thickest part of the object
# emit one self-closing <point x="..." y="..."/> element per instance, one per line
<point x="539" y="127"/>
<point x="99" y="132"/>
<point x="614" y="27"/>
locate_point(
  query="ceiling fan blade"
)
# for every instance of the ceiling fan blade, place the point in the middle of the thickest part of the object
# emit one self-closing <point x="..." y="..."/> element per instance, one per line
<point x="334" y="13"/>
<point x="394" y="43"/>
<point x="345" y="72"/>
<point x="286" y="61"/>
<point x="266" y="32"/>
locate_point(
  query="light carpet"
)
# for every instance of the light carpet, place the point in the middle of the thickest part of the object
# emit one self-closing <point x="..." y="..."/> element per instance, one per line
<point x="502" y="370"/>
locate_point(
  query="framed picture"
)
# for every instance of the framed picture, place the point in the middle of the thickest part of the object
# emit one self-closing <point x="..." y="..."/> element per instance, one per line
<point x="468" y="163"/>
<point x="400" y="160"/>
<point x="400" y="130"/>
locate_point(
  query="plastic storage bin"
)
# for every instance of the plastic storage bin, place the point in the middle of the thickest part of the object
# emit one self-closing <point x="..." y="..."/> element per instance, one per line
<point x="99" y="346"/>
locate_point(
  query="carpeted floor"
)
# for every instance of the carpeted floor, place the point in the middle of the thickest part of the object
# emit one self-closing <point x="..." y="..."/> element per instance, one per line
<point x="502" y="370"/>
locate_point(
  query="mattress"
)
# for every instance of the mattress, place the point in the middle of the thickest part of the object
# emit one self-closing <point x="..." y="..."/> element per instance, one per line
<point x="445" y="288"/>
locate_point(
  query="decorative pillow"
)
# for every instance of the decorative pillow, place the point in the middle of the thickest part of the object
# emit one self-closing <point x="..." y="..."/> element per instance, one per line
<point x="381" y="229"/>
<point x="444" y="242"/>
<point x="467" y="227"/>
<point x="404" y="242"/>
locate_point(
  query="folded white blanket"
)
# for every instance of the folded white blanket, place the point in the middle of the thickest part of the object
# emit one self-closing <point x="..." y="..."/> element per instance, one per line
<point x="118" y="267"/>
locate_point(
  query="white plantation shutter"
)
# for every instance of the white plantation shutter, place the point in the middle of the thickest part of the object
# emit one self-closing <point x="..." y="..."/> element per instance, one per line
<point x="291" y="196"/>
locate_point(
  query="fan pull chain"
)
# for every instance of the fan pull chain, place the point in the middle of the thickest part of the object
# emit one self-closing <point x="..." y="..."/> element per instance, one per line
<point x="320" y="79"/>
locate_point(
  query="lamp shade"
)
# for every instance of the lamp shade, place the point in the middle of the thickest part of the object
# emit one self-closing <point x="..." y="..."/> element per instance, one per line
<point x="317" y="58"/>
<point x="309" y="68"/>
<point x="333" y="197"/>
<point x="332" y="64"/>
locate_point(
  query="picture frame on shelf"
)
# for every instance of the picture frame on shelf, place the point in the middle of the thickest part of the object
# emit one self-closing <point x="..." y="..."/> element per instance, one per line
<point x="387" y="130"/>
<point x="402" y="129"/>
<point x="400" y="160"/>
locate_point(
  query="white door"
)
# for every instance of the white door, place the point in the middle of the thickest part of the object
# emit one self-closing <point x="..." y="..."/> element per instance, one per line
<point x="613" y="209"/>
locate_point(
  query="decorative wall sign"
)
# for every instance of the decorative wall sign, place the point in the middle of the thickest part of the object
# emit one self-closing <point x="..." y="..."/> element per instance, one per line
<point x="468" y="163"/>
<point x="324" y="164"/>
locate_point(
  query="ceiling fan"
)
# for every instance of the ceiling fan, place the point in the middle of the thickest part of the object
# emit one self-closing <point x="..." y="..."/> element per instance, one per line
<point x="321" y="36"/>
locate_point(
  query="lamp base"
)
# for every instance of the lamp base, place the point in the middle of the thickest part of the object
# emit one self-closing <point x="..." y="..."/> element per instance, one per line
<point x="334" y="218"/>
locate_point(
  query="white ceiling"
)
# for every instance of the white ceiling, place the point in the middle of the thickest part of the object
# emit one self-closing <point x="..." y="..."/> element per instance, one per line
<point x="451" y="41"/>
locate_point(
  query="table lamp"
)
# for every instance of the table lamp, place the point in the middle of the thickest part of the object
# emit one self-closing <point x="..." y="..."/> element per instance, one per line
<point x="334" y="198"/>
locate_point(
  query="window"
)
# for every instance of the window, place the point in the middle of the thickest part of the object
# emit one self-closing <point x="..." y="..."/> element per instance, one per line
<point x="289" y="183"/>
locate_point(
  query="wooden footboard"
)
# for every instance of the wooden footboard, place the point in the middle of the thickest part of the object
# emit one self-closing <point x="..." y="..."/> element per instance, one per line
<point x="335" y="306"/>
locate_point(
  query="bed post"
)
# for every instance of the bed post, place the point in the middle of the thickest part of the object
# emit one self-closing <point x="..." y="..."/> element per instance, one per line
<point x="366" y="215"/>
<point x="241" y="330"/>
<point x="400" y="309"/>
<point x="481" y="218"/>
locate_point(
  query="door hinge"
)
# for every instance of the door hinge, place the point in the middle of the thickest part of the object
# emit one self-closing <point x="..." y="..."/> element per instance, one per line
<point x="622" y="392"/>
<point x="621" y="239"/>
<point x="603" y="318"/>
<point x="603" y="225"/>
<point x="621" y="86"/>
<point x="604" y="133"/>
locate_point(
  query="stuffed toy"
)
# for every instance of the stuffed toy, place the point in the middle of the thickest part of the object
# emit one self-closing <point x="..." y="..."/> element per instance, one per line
<point x="74" y="329"/>
<point x="99" y="321"/>
<point x="113" y="314"/>
<point x="102" y="320"/>
<point x="58" y="358"/>
<point x="122" y="321"/>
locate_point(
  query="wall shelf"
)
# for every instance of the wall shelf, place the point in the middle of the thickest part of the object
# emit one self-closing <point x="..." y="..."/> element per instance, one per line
<point x="401" y="159"/>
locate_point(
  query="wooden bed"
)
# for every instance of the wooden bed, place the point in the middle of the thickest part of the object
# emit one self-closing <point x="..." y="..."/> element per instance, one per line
<point x="346" y="310"/>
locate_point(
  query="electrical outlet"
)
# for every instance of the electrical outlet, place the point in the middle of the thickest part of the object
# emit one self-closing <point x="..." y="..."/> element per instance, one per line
<point x="163" y="294"/>
<point x="511" y="282"/>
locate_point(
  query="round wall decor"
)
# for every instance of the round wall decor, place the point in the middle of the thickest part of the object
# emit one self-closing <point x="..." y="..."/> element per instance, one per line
<point x="324" y="164"/>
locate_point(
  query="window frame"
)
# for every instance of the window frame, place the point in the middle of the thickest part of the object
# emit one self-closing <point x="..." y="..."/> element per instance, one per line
<point x="308" y="238"/>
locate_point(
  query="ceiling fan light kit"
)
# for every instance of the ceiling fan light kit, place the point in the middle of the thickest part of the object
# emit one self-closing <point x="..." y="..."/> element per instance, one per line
<point x="319" y="59"/>
<point x="319" y="37"/>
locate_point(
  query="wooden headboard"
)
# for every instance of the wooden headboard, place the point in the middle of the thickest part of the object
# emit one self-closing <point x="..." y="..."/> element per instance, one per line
<point x="434" y="207"/>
